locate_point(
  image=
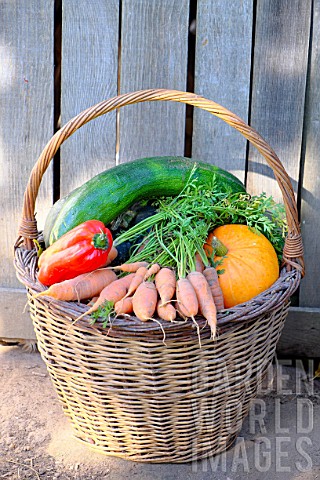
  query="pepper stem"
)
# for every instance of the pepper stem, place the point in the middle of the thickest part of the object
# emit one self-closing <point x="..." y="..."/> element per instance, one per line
<point x="100" y="241"/>
<point x="219" y="248"/>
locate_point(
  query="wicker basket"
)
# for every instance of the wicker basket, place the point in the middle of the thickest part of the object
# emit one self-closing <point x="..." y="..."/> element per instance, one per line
<point x="126" y="392"/>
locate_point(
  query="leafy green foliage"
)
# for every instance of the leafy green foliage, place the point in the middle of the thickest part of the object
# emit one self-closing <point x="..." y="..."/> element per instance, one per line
<point x="103" y="313"/>
<point x="181" y="226"/>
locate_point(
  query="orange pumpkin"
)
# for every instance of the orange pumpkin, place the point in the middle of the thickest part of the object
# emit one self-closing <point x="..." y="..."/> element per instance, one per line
<point x="249" y="262"/>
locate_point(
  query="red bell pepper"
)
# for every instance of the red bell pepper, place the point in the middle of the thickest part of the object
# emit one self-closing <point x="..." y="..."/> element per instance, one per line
<point x="83" y="249"/>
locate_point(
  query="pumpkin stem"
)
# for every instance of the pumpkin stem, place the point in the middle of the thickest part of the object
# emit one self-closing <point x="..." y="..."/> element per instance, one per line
<point x="218" y="247"/>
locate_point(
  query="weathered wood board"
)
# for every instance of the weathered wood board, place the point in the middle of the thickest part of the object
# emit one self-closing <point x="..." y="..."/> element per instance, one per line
<point x="26" y="124"/>
<point x="222" y="74"/>
<point x="154" y="54"/>
<point x="310" y="196"/>
<point x="278" y="88"/>
<point x="89" y="71"/>
<point x="26" y="115"/>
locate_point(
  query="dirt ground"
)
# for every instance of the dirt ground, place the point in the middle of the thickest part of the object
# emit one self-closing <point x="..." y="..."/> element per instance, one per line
<point x="280" y="439"/>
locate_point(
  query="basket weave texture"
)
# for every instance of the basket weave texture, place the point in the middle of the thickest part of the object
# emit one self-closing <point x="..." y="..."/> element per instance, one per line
<point x="128" y="391"/>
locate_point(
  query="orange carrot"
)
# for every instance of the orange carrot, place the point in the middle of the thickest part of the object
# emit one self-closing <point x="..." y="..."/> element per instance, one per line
<point x="166" y="311"/>
<point x="130" y="267"/>
<point x="86" y="285"/>
<point x="113" y="292"/>
<point x="187" y="298"/>
<point x="136" y="280"/>
<point x="212" y="278"/>
<point x="165" y="281"/>
<point x="152" y="271"/>
<point x="144" y="301"/>
<point x="123" y="306"/>
<point x="205" y="299"/>
<point x="198" y="263"/>
<point x="187" y="301"/>
<point x="127" y="279"/>
<point x="177" y="307"/>
<point x="112" y="255"/>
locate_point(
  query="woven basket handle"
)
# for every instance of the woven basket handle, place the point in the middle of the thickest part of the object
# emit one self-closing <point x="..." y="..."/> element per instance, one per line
<point x="293" y="250"/>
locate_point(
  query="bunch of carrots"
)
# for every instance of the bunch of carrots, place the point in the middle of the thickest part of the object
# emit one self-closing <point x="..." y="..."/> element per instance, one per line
<point x="146" y="291"/>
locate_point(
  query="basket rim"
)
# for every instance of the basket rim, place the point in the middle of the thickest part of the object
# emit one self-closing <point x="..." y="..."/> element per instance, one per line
<point x="124" y="326"/>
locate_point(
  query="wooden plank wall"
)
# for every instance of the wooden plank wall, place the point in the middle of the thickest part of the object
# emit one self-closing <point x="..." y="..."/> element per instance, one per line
<point x="310" y="198"/>
<point x="258" y="58"/>
<point x="279" y="87"/>
<point x="26" y="123"/>
<point x="89" y="74"/>
<point x="224" y="79"/>
<point x="154" y="54"/>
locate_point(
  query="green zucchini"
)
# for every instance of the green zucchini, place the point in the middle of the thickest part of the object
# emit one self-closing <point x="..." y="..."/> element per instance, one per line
<point x="111" y="192"/>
